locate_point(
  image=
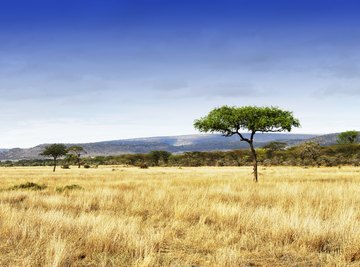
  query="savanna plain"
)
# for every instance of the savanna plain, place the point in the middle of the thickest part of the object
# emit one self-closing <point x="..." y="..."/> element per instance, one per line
<point x="204" y="216"/>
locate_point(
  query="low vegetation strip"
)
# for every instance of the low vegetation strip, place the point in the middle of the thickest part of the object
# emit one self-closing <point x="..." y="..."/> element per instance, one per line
<point x="273" y="154"/>
<point x="28" y="185"/>
<point x="206" y="216"/>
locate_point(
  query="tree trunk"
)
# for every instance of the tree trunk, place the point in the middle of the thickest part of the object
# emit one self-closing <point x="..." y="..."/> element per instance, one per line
<point x="253" y="152"/>
<point x="78" y="161"/>
<point x="54" y="164"/>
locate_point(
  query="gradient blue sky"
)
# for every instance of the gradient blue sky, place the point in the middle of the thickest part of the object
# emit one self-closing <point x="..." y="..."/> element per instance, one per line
<point x="91" y="70"/>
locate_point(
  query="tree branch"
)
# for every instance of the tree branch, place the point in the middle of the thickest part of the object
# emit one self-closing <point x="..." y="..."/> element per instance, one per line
<point x="252" y="136"/>
<point x="271" y="131"/>
<point x="242" y="137"/>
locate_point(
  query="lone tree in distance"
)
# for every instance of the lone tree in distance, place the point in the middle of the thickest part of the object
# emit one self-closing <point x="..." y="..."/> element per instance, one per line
<point x="348" y="137"/>
<point x="230" y="120"/>
<point x="273" y="147"/>
<point x="55" y="151"/>
<point x="76" y="151"/>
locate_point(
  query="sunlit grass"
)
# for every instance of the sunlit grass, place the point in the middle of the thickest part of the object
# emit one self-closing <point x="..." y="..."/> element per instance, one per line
<point x="119" y="216"/>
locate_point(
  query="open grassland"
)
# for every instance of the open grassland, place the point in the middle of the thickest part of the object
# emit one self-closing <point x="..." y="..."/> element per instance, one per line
<point x="119" y="216"/>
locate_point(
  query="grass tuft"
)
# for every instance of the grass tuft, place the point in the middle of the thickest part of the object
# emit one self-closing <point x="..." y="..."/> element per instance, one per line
<point x="68" y="188"/>
<point x="29" y="186"/>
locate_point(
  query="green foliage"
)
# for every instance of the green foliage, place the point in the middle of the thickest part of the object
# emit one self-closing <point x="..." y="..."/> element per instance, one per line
<point x="346" y="149"/>
<point x="349" y="137"/>
<point x="7" y="163"/>
<point x="70" y="159"/>
<point x="75" y="152"/>
<point x="310" y="152"/>
<point x="229" y="120"/>
<point x="272" y="147"/>
<point x="143" y="166"/>
<point x="159" y="155"/>
<point x="28" y="185"/>
<point x="325" y="156"/>
<point x="54" y="150"/>
<point x="275" y="146"/>
<point x="328" y="161"/>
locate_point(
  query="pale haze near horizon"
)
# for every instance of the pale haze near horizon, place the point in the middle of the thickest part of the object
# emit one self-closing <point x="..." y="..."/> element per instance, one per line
<point x="94" y="71"/>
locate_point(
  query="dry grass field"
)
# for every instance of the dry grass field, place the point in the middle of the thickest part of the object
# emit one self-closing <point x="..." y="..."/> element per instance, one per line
<point x="180" y="217"/>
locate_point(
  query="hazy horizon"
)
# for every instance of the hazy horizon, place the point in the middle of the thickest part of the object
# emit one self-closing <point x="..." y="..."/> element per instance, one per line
<point x="159" y="136"/>
<point x="87" y="71"/>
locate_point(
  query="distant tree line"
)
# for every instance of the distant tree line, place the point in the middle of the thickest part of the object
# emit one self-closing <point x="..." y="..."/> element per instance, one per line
<point x="273" y="154"/>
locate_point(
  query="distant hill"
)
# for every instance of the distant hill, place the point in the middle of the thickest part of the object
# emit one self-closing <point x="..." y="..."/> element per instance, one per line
<point x="326" y="140"/>
<point x="173" y="144"/>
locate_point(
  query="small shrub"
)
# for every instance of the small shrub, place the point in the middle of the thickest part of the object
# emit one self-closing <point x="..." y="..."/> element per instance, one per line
<point x="267" y="162"/>
<point x="87" y="166"/>
<point x="68" y="188"/>
<point x="220" y="163"/>
<point x="28" y="185"/>
<point x="144" y="166"/>
<point x="65" y="166"/>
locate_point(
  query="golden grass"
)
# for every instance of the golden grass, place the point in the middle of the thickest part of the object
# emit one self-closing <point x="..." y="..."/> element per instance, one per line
<point x="181" y="217"/>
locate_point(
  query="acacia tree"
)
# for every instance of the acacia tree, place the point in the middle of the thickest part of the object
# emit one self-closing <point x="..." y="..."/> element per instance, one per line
<point x="273" y="147"/>
<point x="310" y="152"/>
<point x="76" y="152"/>
<point x="55" y="151"/>
<point x="348" y="137"/>
<point x="230" y="120"/>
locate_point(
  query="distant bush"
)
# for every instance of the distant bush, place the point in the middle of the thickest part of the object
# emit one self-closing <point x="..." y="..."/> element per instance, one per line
<point x="28" y="185"/>
<point x="65" y="166"/>
<point x="267" y="162"/>
<point x="87" y="166"/>
<point x="328" y="161"/>
<point x="144" y="166"/>
<point x="68" y="188"/>
<point x="355" y="162"/>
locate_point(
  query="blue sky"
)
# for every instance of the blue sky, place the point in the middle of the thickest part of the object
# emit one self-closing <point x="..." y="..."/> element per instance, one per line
<point x="80" y="71"/>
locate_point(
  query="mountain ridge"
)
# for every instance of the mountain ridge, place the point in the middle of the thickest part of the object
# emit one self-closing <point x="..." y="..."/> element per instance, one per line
<point x="173" y="144"/>
<point x="326" y="139"/>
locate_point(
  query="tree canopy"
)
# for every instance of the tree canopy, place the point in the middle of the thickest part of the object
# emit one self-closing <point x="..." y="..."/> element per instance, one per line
<point x="55" y="151"/>
<point x="229" y="120"/>
<point x="348" y="137"/>
<point x="275" y="146"/>
<point x="76" y="152"/>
